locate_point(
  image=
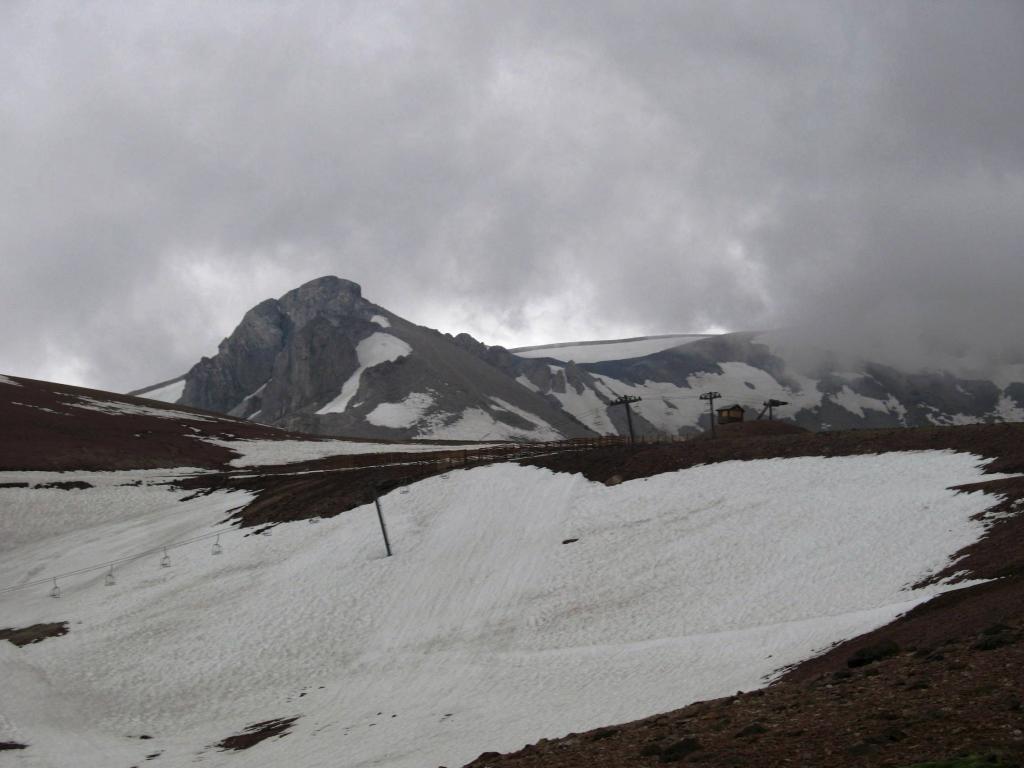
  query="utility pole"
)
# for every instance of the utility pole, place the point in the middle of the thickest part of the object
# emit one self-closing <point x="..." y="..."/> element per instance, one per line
<point x="711" y="397"/>
<point x="383" y="528"/>
<point x="771" y="405"/>
<point x="624" y="401"/>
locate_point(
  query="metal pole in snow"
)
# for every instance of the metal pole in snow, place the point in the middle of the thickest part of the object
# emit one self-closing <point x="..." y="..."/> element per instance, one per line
<point x="383" y="528"/>
<point x="711" y="397"/>
<point x="625" y="400"/>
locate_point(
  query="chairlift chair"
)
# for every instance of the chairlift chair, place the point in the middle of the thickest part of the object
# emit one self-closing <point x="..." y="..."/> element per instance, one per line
<point x="165" y="561"/>
<point x="217" y="549"/>
<point x="110" y="581"/>
<point x="55" y="592"/>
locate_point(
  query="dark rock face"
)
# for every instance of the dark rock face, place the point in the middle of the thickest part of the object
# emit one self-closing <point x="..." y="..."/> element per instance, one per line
<point x="284" y="339"/>
<point x="937" y="392"/>
<point x="331" y="298"/>
<point x="243" y="361"/>
<point x="307" y="369"/>
<point x="1015" y="392"/>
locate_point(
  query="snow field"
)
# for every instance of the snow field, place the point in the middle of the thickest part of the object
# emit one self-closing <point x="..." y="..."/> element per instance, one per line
<point x="483" y="631"/>
<point x="267" y="452"/>
<point x="375" y="349"/>
<point x="169" y="393"/>
<point x="43" y="515"/>
<point x="600" y="352"/>
<point x="471" y="424"/>
<point x="542" y="431"/>
<point x="401" y="414"/>
<point x="478" y="424"/>
<point x="116" y="408"/>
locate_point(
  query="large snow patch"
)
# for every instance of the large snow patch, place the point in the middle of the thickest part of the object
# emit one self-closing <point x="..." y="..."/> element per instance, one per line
<point x="256" y="453"/>
<point x="484" y="631"/>
<point x="169" y="393"/>
<point x="375" y="349"/>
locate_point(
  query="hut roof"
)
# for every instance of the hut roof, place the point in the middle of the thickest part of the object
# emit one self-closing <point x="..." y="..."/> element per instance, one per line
<point x="733" y="407"/>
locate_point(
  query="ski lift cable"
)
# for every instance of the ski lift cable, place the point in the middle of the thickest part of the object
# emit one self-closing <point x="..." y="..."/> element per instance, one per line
<point x="110" y="565"/>
<point x="119" y="561"/>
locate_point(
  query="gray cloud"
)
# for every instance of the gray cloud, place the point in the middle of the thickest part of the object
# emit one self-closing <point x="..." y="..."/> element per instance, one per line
<point x="526" y="171"/>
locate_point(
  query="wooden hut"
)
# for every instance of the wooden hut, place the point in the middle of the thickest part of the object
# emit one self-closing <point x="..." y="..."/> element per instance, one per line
<point x="731" y="414"/>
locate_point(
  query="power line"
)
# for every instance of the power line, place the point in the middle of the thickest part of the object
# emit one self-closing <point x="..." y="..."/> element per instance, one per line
<point x="625" y="400"/>
<point x="711" y="397"/>
<point x="121" y="560"/>
<point x="770" y="405"/>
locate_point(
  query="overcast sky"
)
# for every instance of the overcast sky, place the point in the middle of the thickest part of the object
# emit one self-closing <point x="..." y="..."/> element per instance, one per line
<point x="524" y="171"/>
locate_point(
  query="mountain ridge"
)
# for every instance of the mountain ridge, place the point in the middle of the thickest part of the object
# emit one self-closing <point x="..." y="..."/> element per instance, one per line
<point x="325" y="360"/>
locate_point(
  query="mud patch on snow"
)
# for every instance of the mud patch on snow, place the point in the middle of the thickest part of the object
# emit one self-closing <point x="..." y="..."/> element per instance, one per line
<point x="35" y="633"/>
<point x="258" y="732"/>
<point x="66" y="485"/>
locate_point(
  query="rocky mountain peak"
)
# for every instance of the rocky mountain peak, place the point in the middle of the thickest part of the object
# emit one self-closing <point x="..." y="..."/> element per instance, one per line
<point x="331" y="297"/>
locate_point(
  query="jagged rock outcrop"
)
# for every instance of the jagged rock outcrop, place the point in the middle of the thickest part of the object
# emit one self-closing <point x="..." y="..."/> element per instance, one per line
<point x="323" y="359"/>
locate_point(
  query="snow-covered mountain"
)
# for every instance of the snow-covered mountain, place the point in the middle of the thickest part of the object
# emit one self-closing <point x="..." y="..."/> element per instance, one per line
<point x="323" y="359"/>
<point x="748" y="369"/>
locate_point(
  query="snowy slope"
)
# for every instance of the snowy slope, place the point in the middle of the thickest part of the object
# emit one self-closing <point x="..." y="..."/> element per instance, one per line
<point x="675" y="407"/>
<point x="264" y="452"/>
<point x="613" y="349"/>
<point x="483" y="631"/>
<point x="168" y="392"/>
<point x="375" y="349"/>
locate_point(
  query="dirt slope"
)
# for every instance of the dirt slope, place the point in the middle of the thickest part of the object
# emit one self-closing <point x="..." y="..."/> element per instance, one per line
<point x="49" y="426"/>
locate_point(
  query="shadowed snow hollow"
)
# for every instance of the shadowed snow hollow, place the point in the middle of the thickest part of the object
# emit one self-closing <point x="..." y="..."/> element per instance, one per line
<point x="484" y="631"/>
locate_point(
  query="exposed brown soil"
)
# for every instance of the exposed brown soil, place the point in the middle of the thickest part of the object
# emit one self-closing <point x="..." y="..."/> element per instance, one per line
<point x="35" y="633"/>
<point x="66" y="485"/>
<point x="43" y="430"/>
<point x="1003" y="444"/>
<point x="256" y="733"/>
<point x="755" y="429"/>
<point x="327" y="487"/>
<point x="918" y="705"/>
<point x="945" y="679"/>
